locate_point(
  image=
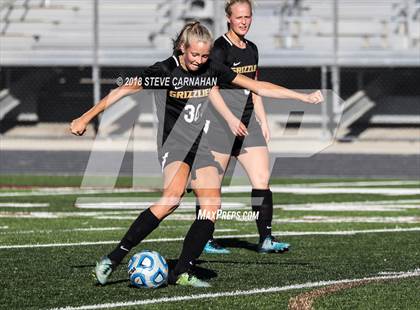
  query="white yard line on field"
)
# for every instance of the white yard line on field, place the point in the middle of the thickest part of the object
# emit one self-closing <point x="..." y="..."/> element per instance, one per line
<point x="346" y="207"/>
<point x="359" y="183"/>
<point x="59" y="191"/>
<point x="303" y="190"/>
<point x="277" y="233"/>
<point x="141" y="205"/>
<point x="23" y="205"/>
<point x="93" y="229"/>
<point x="48" y="231"/>
<point x="295" y="189"/>
<point x="350" y="219"/>
<point x="402" y="275"/>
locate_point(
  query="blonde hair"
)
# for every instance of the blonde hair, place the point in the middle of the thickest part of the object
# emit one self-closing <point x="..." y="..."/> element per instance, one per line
<point x="192" y="31"/>
<point x="230" y="3"/>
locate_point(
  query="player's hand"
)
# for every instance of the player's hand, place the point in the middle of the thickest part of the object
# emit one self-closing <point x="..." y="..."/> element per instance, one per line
<point x="78" y="126"/>
<point x="237" y="127"/>
<point x="265" y="131"/>
<point x="314" y="98"/>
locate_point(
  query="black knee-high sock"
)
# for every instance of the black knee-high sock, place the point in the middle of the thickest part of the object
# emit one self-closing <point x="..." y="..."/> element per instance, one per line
<point x="262" y="202"/>
<point x="145" y="223"/>
<point x="194" y="242"/>
<point x="197" y="211"/>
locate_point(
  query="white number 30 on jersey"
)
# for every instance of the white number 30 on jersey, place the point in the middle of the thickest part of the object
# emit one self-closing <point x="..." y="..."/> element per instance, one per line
<point x="192" y="114"/>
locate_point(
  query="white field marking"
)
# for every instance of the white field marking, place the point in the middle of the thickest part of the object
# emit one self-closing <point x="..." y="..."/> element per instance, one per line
<point x="345" y="207"/>
<point x="49" y="231"/>
<point x="141" y="205"/>
<point x="114" y="217"/>
<point x="359" y="183"/>
<point x="351" y="206"/>
<point x="350" y="219"/>
<point x="23" y="232"/>
<point x="295" y="188"/>
<point x="303" y="190"/>
<point x="277" y="233"/>
<point x="59" y="191"/>
<point x="4" y="227"/>
<point x="402" y="275"/>
<point x="61" y="214"/>
<point x="23" y="205"/>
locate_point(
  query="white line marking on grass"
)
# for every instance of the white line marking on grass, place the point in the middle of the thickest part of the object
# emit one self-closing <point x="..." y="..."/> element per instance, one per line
<point x="277" y="233"/>
<point x="59" y="191"/>
<point x="18" y="232"/>
<point x="48" y="231"/>
<point x="350" y="219"/>
<point x="141" y="205"/>
<point x="23" y="205"/>
<point x="4" y="227"/>
<point x="318" y="191"/>
<point x="360" y="183"/>
<point x="55" y="215"/>
<point x="403" y="275"/>
<point x="343" y="208"/>
<point x="295" y="188"/>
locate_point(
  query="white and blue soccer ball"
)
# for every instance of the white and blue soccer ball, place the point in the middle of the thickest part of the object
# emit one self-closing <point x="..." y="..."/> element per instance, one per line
<point x="147" y="269"/>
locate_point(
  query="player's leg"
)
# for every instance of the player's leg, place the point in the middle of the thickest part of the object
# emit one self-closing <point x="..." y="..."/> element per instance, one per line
<point x="206" y="187"/>
<point x="212" y="246"/>
<point x="256" y="162"/>
<point x="175" y="177"/>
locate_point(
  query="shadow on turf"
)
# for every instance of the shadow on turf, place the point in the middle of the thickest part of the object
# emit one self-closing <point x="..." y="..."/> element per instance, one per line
<point x="237" y="243"/>
<point x="200" y="272"/>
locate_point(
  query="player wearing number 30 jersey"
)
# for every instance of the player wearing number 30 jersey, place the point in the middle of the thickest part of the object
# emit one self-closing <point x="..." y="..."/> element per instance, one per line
<point x="180" y="110"/>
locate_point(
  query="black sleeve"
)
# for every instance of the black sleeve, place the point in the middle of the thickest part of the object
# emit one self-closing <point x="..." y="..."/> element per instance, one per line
<point x="224" y="74"/>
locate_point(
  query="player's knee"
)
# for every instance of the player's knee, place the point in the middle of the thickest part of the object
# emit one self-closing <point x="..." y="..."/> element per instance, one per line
<point x="261" y="180"/>
<point x="209" y="199"/>
<point x="172" y="196"/>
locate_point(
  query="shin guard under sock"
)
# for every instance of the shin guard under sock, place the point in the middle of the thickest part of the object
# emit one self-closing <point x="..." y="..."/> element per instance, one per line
<point x="262" y="202"/>
<point x="194" y="242"/>
<point x="145" y="223"/>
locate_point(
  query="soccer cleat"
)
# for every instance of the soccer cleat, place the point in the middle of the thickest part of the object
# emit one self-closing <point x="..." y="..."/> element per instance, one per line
<point x="186" y="279"/>
<point x="103" y="270"/>
<point x="212" y="247"/>
<point x="271" y="245"/>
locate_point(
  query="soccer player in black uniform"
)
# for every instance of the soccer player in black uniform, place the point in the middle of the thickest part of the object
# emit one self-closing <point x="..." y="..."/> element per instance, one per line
<point x="241" y="55"/>
<point x="191" y="78"/>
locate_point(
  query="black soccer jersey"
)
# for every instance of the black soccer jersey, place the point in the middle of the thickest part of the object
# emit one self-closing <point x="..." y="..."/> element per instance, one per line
<point x="184" y="97"/>
<point x="243" y="61"/>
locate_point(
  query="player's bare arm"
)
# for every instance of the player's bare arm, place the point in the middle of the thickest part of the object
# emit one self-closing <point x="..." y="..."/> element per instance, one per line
<point x="267" y="89"/>
<point x="78" y="125"/>
<point x="235" y="125"/>
<point x="261" y="115"/>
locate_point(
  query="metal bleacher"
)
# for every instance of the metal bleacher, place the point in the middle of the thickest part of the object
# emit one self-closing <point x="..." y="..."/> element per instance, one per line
<point x="134" y="33"/>
<point x="61" y="32"/>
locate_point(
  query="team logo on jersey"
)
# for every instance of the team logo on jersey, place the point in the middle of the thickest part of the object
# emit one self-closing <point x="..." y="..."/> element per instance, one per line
<point x="245" y="69"/>
<point x="188" y="94"/>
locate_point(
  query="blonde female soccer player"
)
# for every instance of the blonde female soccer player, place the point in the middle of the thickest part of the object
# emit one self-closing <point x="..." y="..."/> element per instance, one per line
<point x="241" y="55"/>
<point x="182" y="150"/>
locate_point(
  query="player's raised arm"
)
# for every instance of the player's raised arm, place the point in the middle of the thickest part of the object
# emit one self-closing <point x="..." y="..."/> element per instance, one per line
<point x="271" y="90"/>
<point x="235" y="124"/>
<point x="78" y="125"/>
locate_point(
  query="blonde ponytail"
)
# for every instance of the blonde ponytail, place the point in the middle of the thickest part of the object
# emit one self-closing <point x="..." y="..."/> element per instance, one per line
<point x="191" y="31"/>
